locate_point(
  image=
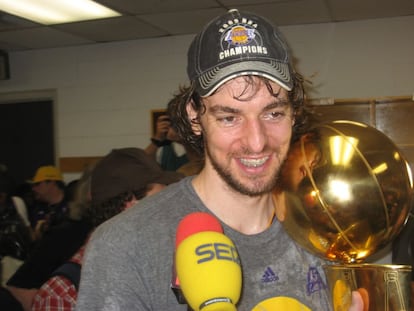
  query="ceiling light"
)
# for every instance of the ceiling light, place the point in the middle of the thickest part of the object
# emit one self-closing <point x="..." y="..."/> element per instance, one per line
<point x="380" y="168"/>
<point x="342" y="149"/>
<point x="50" y="12"/>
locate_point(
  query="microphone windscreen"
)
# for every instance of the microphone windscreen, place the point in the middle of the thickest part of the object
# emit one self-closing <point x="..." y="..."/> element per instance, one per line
<point x="194" y="223"/>
<point x="189" y="225"/>
<point x="208" y="267"/>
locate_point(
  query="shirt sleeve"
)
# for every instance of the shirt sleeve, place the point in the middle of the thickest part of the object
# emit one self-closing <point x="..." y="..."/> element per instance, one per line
<point x="110" y="263"/>
<point x="57" y="294"/>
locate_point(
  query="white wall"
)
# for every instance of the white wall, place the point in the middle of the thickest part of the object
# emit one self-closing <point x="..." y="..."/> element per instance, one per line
<point x="104" y="92"/>
<point x="361" y="59"/>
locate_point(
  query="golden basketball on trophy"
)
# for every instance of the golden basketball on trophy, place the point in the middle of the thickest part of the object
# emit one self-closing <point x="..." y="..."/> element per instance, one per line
<point x="344" y="194"/>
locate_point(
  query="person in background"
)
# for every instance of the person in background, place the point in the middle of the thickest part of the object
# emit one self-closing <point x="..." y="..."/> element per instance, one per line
<point x="304" y="155"/>
<point x="71" y="189"/>
<point x="49" y="188"/>
<point x="9" y="187"/>
<point x="25" y="192"/>
<point x="15" y="230"/>
<point x="61" y="236"/>
<point x="119" y="180"/>
<point x="195" y="160"/>
<point x="245" y="105"/>
<point x="168" y="149"/>
<point x="164" y="147"/>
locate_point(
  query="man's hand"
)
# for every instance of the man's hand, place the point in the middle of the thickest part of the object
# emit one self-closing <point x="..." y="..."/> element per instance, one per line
<point x="357" y="303"/>
<point x="40" y="228"/>
<point x="163" y="125"/>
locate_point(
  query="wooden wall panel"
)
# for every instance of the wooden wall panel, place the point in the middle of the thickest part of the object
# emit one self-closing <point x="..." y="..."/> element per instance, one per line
<point x="394" y="116"/>
<point x="359" y="112"/>
<point x="76" y="164"/>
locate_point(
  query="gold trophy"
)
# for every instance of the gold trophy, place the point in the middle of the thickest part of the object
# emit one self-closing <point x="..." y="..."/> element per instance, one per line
<point x="345" y="193"/>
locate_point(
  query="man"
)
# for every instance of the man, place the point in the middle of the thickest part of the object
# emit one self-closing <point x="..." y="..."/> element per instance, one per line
<point x="49" y="188"/>
<point x="189" y="162"/>
<point x="163" y="145"/>
<point x="119" y="180"/>
<point x="246" y="103"/>
<point x="168" y="149"/>
<point x="304" y="155"/>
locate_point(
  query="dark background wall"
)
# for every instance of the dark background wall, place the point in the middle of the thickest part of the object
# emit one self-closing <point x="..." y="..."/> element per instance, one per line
<point x="27" y="137"/>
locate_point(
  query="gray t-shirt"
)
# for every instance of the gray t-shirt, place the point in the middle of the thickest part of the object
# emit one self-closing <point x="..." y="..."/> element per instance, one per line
<point x="128" y="261"/>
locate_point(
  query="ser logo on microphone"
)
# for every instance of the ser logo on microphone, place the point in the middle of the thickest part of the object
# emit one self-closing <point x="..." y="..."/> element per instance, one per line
<point x="207" y="264"/>
<point x="220" y="251"/>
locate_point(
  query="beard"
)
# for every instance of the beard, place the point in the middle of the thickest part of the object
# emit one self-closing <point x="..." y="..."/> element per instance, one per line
<point x="257" y="187"/>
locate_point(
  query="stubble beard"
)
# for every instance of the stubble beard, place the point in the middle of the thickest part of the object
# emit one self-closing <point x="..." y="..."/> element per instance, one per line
<point x="259" y="188"/>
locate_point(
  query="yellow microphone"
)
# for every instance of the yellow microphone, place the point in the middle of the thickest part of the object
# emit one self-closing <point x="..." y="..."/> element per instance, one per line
<point x="208" y="265"/>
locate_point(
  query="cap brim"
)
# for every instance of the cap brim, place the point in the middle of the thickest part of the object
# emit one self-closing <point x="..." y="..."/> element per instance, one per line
<point x="274" y="71"/>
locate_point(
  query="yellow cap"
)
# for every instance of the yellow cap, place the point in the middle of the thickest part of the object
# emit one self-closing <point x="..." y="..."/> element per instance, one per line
<point x="47" y="173"/>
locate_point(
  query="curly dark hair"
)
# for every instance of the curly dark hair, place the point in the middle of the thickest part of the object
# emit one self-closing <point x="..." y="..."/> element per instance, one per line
<point x="99" y="212"/>
<point x="177" y="110"/>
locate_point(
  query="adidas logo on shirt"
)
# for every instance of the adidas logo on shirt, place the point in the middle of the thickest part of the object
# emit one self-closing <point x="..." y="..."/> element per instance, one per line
<point x="269" y="276"/>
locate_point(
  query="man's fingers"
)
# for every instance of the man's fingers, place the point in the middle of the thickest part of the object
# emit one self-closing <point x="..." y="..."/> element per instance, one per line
<point x="357" y="303"/>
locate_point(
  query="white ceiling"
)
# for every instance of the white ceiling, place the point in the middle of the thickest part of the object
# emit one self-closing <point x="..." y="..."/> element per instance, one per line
<point x="159" y="18"/>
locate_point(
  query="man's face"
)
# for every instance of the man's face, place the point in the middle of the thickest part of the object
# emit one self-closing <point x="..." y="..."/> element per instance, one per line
<point x="247" y="132"/>
<point x="299" y="163"/>
<point x="41" y="190"/>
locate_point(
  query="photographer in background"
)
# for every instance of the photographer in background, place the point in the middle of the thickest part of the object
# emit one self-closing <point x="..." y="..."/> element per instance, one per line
<point x="166" y="147"/>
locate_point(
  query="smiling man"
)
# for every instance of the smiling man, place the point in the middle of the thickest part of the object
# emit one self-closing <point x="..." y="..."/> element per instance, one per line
<point x="244" y="107"/>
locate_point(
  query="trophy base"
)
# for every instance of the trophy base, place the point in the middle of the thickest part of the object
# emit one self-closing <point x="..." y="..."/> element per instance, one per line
<point x="382" y="287"/>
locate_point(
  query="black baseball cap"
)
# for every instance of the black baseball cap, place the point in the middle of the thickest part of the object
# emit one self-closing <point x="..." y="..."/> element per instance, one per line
<point x="236" y="44"/>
